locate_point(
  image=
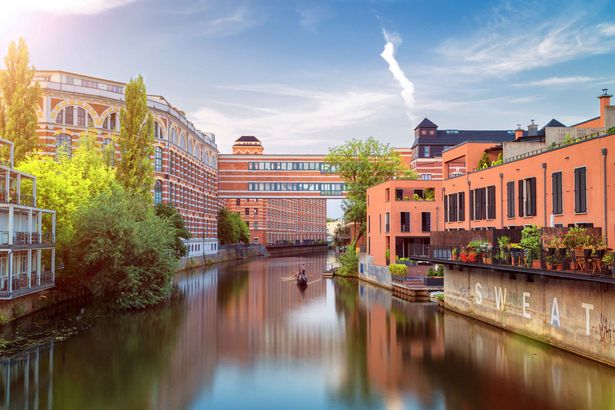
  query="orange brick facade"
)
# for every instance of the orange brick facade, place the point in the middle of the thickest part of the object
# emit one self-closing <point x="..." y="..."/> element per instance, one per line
<point x="185" y="159"/>
<point x="281" y="197"/>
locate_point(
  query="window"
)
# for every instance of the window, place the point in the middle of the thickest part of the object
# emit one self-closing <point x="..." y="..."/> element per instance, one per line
<point x="158" y="159"/>
<point x="238" y="201"/>
<point x="404" y="218"/>
<point x="491" y="202"/>
<point x="68" y="115"/>
<point x="446" y="208"/>
<point x="387" y="222"/>
<point x="426" y="176"/>
<point x="580" y="190"/>
<point x="556" y="192"/>
<point x="379" y="223"/>
<point x="510" y="199"/>
<point x="158" y="192"/>
<point x="462" y="207"/>
<point x="111" y="123"/>
<point x="173" y="136"/>
<point x="426" y="221"/>
<point x="157" y="130"/>
<point x="387" y="195"/>
<point x="255" y="224"/>
<point x="247" y="211"/>
<point x="426" y="151"/>
<point x="527" y="197"/>
<point x="64" y="144"/>
<point x="255" y="211"/>
<point x="369" y="223"/>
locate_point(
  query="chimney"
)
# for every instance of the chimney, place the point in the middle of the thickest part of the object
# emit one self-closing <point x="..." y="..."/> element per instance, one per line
<point x="605" y="101"/>
<point x="532" y="129"/>
<point x="518" y="132"/>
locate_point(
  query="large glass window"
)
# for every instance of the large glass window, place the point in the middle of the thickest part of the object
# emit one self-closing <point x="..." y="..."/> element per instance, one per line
<point x="64" y="145"/>
<point x="158" y="159"/>
<point x="556" y="192"/>
<point x="404" y="218"/>
<point x="158" y="192"/>
<point x="510" y="199"/>
<point x="426" y="221"/>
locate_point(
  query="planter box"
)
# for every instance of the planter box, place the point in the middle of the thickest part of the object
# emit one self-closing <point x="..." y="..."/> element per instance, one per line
<point x="434" y="281"/>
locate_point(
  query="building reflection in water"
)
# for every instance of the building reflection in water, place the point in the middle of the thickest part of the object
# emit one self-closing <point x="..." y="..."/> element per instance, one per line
<point x="26" y="379"/>
<point x="240" y="333"/>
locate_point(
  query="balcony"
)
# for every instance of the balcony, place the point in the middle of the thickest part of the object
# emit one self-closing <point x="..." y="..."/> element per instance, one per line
<point x="566" y="260"/>
<point x="27" y="238"/>
<point x="11" y="198"/>
<point x="414" y="194"/>
<point x="19" y="284"/>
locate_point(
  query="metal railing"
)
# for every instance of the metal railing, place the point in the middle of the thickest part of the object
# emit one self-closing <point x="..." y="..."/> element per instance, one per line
<point x="578" y="261"/>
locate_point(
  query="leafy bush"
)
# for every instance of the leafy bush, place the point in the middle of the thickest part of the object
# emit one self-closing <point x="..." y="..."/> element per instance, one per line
<point x="531" y="241"/>
<point x="170" y="213"/>
<point x="231" y="228"/>
<point x="123" y="251"/>
<point x="349" y="261"/>
<point x="398" y="269"/>
<point x="435" y="271"/>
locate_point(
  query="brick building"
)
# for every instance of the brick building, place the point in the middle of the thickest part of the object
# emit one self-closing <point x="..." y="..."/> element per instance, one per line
<point x="185" y="159"/>
<point x="282" y="197"/>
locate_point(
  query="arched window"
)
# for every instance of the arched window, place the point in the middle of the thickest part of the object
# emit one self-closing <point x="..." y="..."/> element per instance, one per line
<point x="73" y="115"/>
<point x="64" y="145"/>
<point x="158" y="131"/>
<point x="112" y="122"/>
<point x="158" y="159"/>
<point x="173" y="136"/>
<point x="158" y="192"/>
<point x="182" y="141"/>
<point x="190" y="146"/>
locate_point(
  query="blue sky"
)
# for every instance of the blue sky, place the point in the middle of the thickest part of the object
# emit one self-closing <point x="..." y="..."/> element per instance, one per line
<point x="305" y="75"/>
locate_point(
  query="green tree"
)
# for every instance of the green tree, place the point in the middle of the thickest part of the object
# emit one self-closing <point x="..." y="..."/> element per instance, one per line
<point x="135" y="170"/>
<point x="170" y="213"/>
<point x="19" y="97"/>
<point x="69" y="184"/>
<point x="232" y="228"/>
<point x="362" y="164"/>
<point x="124" y="251"/>
<point x="483" y="162"/>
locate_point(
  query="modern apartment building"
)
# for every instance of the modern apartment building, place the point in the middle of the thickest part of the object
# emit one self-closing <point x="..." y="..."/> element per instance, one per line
<point x="400" y="216"/>
<point x="185" y="159"/>
<point x="565" y="180"/>
<point x="27" y="233"/>
<point x="282" y="197"/>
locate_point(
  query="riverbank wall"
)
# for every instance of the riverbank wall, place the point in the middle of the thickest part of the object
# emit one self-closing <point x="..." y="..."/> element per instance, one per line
<point x="577" y="315"/>
<point x="223" y="255"/>
<point x="291" y="250"/>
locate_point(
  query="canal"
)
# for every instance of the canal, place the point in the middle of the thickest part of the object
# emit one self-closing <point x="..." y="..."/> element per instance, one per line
<point x="243" y="336"/>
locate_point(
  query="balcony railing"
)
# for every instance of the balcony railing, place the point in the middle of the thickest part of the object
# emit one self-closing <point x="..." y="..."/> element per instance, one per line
<point x="20" y="285"/>
<point x="575" y="261"/>
<point x="27" y="238"/>
<point x="405" y="228"/>
<point x="11" y="198"/>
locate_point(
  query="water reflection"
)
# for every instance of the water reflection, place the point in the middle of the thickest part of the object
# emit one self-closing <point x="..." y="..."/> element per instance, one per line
<point x="244" y="336"/>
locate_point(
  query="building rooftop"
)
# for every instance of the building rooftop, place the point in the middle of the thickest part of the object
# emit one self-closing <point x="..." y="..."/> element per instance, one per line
<point x="247" y="138"/>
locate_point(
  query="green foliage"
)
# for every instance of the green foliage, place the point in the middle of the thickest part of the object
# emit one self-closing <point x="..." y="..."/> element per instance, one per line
<point x="503" y="242"/>
<point x="387" y="254"/>
<point x="480" y="245"/>
<point x="498" y="161"/>
<point x="398" y="269"/>
<point x="362" y="164"/>
<point x="567" y="139"/>
<point x="439" y="297"/>
<point x="341" y="235"/>
<point x="349" y="260"/>
<point x="435" y="271"/>
<point x="429" y="194"/>
<point x="123" y="251"/>
<point x="531" y="241"/>
<point x="610" y="131"/>
<point x="231" y="228"/>
<point x="4" y="318"/>
<point x="169" y="213"/>
<point x="135" y="170"/>
<point x="69" y="184"/>
<point x="17" y="310"/>
<point x="609" y="259"/>
<point x="19" y="98"/>
<point x="483" y="162"/>
<point x="575" y="237"/>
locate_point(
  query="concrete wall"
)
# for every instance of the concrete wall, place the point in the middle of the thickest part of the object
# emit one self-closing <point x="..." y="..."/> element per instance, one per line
<point x="376" y="274"/>
<point x="576" y="315"/>
<point x="222" y="255"/>
<point x="557" y="134"/>
<point x="512" y="149"/>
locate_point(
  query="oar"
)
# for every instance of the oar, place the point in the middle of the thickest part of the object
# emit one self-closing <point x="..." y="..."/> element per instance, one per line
<point x="314" y="281"/>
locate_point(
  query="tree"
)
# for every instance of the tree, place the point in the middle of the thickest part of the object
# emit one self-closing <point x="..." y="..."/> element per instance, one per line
<point x="362" y="164"/>
<point x="19" y="97"/>
<point x="483" y="162"/>
<point x="69" y="184"/>
<point x="135" y="170"/>
<point x="231" y="228"/>
<point x="170" y="213"/>
<point x="124" y="251"/>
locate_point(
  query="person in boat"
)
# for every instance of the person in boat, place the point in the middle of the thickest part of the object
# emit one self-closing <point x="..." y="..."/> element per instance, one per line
<point x="301" y="274"/>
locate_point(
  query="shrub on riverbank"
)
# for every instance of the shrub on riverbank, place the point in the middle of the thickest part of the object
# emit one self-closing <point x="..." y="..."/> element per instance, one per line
<point x="124" y="251"/>
<point x="231" y="228"/>
<point x="349" y="261"/>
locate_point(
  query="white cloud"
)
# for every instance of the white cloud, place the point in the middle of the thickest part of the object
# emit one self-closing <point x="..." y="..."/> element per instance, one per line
<point x="301" y="118"/>
<point x="407" y="87"/>
<point x="558" y="81"/>
<point x="12" y="7"/>
<point x="519" y="42"/>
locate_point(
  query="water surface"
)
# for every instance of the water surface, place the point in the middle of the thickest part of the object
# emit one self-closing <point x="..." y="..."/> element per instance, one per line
<point x="243" y="336"/>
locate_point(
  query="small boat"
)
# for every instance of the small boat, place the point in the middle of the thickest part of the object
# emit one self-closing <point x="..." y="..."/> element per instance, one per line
<point x="302" y="281"/>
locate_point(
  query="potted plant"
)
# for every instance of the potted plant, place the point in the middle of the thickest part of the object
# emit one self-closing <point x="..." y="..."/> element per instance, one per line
<point x="558" y="262"/>
<point x="531" y="242"/>
<point x="503" y="245"/>
<point x="398" y="271"/>
<point x="609" y="262"/>
<point x="482" y="247"/>
<point x="434" y="276"/>
<point x="549" y="262"/>
<point x="455" y="253"/>
<point x="472" y="256"/>
<point x="516" y="251"/>
<point x="601" y="248"/>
